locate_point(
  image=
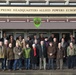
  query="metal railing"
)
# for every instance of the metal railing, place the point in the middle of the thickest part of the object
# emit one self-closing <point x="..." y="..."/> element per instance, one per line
<point x="37" y="2"/>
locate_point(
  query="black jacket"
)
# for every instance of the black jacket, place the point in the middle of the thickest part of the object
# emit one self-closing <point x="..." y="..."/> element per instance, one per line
<point x="32" y="57"/>
<point x="44" y="53"/>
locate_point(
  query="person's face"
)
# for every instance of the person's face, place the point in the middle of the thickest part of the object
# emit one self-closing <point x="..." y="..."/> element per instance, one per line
<point x="0" y="43"/>
<point x="20" y="37"/>
<point x="11" y="37"/>
<point x="35" y="36"/>
<point x="46" y="39"/>
<point x="54" y="39"/>
<point x="41" y="35"/>
<point x="62" y="40"/>
<point x="59" y="45"/>
<point x="71" y="44"/>
<point x="28" y="38"/>
<point x="50" y="44"/>
<point x="52" y="35"/>
<point x="27" y="46"/>
<point x="71" y="36"/>
<point x="33" y="45"/>
<point x="63" y="35"/>
<point x="35" y="41"/>
<point x="42" y="42"/>
<point x="10" y="45"/>
<point x="5" y="42"/>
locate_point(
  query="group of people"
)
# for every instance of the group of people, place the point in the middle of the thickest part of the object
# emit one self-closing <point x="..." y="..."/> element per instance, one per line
<point x="37" y="53"/>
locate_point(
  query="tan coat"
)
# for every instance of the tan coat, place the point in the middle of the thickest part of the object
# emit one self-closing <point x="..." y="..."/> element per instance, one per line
<point x="1" y="52"/>
<point x="17" y="51"/>
<point x="10" y="54"/>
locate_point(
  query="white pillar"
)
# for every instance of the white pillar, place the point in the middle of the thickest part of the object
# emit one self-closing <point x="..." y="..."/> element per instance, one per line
<point x="67" y="2"/>
<point x="7" y="1"/>
<point x="1" y="33"/>
<point x="27" y="2"/>
<point x="73" y="33"/>
<point x="47" y="2"/>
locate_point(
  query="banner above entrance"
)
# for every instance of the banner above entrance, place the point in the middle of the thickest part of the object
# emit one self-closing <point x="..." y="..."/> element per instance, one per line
<point x="37" y="10"/>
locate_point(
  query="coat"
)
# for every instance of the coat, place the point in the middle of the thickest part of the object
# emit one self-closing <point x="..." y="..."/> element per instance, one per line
<point x="34" y="58"/>
<point x="44" y="53"/>
<point x="51" y="50"/>
<point x="26" y="52"/>
<point x="5" y="51"/>
<point x="60" y="53"/>
<point x="10" y="54"/>
<point x="1" y="52"/>
<point x="17" y="51"/>
<point x="69" y="49"/>
<point x="55" y="45"/>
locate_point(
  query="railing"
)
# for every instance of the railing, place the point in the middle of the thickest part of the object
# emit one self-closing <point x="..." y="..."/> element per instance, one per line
<point x="42" y="19"/>
<point x="37" y="2"/>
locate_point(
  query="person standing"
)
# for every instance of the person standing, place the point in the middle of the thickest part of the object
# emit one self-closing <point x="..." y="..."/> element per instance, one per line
<point x="51" y="55"/>
<point x="10" y="57"/>
<point x="34" y="56"/>
<point x="60" y="56"/>
<point x="5" y="46"/>
<point x="42" y="55"/>
<point x="18" y="55"/>
<point x="2" y="56"/>
<point x="26" y="54"/>
<point x="70" y="55"/>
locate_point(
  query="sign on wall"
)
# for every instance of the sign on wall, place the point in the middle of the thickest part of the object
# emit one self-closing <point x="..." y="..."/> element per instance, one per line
<point x="37" y="10"/>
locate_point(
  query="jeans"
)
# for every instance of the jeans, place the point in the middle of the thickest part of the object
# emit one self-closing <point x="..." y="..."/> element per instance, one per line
<point x="59" y="63"/>
<point x="17" y="63"/>
<point x="42" y="61"/>
<point x="27" y="63"/>
<point x="50" y="63"/>
<point x="10" y="64"/>
<point x="70" y="61"/>
<point x="4" y="63"/>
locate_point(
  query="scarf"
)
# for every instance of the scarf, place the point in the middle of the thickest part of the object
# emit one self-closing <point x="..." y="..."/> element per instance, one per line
<point x="34" y="51"/>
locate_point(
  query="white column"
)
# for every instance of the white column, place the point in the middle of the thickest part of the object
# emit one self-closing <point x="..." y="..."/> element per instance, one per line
<point x="60" y="35"/>
<point x="47" y="2"/>
<point x="27" y="2"/>
<point x="67" y="2"/>
<point x="73" y="33"/>
<point x="1" y="33"/>
<point x="25" y="35"/>
<point x="7" y="1"/>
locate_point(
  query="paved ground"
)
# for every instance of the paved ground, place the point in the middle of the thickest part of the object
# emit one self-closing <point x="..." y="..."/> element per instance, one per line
<point x="39" y="72"/>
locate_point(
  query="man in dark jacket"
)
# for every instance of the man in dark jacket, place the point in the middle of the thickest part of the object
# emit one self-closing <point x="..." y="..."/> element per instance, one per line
<point x="42" y="54"/>
<point x="60" y="56"/>
<point x="51" y="55"/>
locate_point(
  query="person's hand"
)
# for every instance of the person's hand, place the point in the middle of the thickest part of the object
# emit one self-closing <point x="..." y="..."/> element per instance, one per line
<point x="19" y="53"/>
<point x="50" y="54"/>
<point x="64" y="56"/>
